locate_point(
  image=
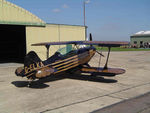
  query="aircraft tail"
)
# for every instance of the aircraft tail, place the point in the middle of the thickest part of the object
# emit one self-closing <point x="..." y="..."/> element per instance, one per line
<point x="31" y="58"/>
<point x="34" y="67"/>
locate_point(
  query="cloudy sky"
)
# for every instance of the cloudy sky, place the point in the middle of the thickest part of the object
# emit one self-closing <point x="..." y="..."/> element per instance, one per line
<point x="106" y="19"/>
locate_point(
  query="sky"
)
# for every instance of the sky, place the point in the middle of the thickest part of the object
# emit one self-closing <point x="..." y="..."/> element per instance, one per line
<point x="107" y="20"/>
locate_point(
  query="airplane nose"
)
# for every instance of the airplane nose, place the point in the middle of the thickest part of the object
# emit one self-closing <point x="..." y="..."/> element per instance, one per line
<point x="20" y="71"/>
<point x="46" y="71"/>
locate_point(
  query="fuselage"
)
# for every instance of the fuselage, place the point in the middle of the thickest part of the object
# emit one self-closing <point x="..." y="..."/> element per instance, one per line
<point x="74" y="59"/>
<point x="59" y="63"/>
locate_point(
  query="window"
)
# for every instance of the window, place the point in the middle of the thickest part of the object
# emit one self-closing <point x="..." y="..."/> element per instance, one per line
<point x="65" y="50"/>
<point x="141" y="42"/>
<point x="135" y="42"/>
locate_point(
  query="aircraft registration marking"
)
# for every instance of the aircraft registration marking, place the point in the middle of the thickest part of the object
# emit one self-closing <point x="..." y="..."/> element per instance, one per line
<point x="32" y="67"/>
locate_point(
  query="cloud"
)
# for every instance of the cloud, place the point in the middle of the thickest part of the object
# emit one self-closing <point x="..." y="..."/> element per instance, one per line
<point x="65" y="6"/>
<point x="56" y="10"/>
<point x="88" y="1"/>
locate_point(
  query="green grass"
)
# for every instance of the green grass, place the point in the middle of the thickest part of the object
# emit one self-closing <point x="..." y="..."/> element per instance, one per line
<point x="121" y="49"/>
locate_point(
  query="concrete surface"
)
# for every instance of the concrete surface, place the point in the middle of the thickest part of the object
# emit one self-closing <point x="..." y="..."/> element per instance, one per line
<point x="76" y="94"/>
<point x="139" y="104"/>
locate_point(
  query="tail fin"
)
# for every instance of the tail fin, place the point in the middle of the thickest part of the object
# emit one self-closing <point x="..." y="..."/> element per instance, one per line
<point x="34" y="67"/>
<point x="31" y="58"/>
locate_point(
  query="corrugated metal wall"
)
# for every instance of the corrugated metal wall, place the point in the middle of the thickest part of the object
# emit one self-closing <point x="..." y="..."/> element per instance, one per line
<point x="52" y="32"/>
<point x="13" y="14"/>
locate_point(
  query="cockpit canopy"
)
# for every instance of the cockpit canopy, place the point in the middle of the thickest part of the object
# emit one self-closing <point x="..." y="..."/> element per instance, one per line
<point x="69" y="48"/>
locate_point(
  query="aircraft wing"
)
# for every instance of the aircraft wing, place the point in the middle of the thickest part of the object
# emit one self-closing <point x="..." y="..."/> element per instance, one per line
<point x="57" y="43"/>
<point x="99" y="43"/>
<point x="106" y="43"/>
<point x="102" y="71"/>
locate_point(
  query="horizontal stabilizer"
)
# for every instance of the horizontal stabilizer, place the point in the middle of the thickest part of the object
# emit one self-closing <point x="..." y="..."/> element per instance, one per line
<point x="102" y="71"/>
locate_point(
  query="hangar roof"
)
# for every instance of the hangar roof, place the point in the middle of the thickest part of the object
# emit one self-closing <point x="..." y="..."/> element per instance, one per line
<point x="13" y="14"/>
<point x="142" y="33"/>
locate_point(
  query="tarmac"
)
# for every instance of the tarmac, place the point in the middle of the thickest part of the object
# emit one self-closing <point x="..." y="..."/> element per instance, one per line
<point x="76" y="93"/>
<point x="140" y="104"/>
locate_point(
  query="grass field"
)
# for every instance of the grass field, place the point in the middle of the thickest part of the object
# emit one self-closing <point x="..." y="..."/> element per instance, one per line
<point x="122" y="49"/>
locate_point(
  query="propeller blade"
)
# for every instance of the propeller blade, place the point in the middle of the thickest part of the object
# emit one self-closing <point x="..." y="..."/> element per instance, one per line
<point x="90" y="37"/>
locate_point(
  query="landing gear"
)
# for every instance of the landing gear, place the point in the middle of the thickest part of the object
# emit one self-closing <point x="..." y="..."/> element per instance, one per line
<point x="30" y="82"/>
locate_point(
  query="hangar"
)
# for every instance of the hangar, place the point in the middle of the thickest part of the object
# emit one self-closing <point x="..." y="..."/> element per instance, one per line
<point x="19" y="29"/>
<point x="140" y="39"/>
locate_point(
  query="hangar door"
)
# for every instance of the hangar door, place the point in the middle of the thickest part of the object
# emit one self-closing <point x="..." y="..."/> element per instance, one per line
<point x="12" y="43"/>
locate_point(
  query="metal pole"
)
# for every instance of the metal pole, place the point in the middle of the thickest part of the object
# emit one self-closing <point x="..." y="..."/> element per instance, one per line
<point x="105" y="67"/>
<point x="47" y="47"/>
<point x="85" y="33"/>
<point x="59" y="34"/>
<point x="84" y="20"/>
<point x="84" y="11"/>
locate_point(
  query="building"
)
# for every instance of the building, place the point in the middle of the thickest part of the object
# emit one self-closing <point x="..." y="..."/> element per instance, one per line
<point x="19" y="29"/>
<point x="140" y="39"/>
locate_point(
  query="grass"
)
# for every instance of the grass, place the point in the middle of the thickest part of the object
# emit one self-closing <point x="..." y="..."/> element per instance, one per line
<point x="122" y="49"/>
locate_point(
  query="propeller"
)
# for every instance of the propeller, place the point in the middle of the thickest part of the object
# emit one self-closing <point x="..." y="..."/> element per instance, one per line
<point x="91" y="39"/>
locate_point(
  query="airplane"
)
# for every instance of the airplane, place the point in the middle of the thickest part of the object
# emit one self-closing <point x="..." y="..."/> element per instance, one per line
<point x="76" y="60"/>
